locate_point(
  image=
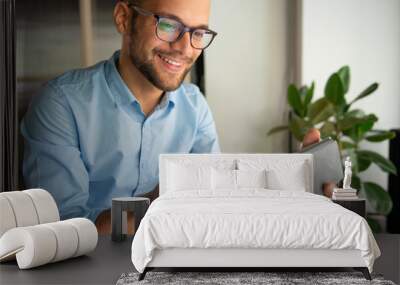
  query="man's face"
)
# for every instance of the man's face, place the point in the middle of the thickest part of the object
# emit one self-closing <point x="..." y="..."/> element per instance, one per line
<point x="165" y="64"/>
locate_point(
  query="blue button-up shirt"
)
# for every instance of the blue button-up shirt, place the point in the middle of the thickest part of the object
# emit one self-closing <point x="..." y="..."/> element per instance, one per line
<point x="87" y="139"/>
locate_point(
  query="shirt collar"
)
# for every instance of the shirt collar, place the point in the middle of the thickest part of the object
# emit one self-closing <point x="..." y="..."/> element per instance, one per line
<point x="120" y="90"/>
<point x="168" y="98"/>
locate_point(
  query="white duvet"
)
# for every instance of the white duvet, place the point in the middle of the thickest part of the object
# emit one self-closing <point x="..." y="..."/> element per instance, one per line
<point x="250" y="218"/>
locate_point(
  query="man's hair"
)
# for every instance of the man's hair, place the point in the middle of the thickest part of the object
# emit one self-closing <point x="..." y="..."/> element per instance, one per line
<point x="135" y="14"/>
<point x="134" y="2"/>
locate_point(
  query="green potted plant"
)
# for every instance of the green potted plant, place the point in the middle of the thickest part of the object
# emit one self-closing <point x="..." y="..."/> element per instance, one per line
<point x="337" y="117"/>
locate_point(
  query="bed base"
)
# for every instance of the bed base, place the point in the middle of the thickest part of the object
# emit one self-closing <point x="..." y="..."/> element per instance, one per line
<point x="363" y="270"/>
<point x="242" y="259"/>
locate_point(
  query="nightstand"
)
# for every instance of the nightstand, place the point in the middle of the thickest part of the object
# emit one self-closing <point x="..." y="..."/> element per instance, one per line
<point x="137" y="205"/>
<point x="356" y="205"/>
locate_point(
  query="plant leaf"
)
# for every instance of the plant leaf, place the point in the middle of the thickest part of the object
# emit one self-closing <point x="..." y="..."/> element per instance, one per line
<point x="374" y="225"/>
<point x="319" y="111"/>
<point x="363" y="163"/>
<point x="365" y="123"/>
<point x="358" y="113"/>
<point x="360" y="128"/>
<point x="297" y="127"/>
<point x="383" y="163"/>
<point x="378" y="198"/>
<point x="277" y="129"/>
<point x="327" y="130"/>
<point x="309" y="94"/>
<point x="354" y="165"/>
<point x="369" y="90"/>
<point x="344" y="74"/>
<point x="303" y="91"/>
<point x="347" y="145"/>
<point x="356" y="182"/>
<point x="334" y="91"/>
<point x="381" y="136"/>
<point x="348" y="122"/>
<point x="294" y="100"/>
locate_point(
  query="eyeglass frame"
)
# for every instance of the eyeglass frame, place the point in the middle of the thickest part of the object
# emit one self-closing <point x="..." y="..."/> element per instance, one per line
<point x="184" y="29"/>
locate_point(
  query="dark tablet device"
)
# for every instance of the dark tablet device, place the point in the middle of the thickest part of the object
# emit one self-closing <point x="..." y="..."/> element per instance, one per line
<point x="327" y="163"/>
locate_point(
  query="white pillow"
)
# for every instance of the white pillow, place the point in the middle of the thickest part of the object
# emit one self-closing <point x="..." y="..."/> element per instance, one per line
<point x="236" y="179"/>
<point x="293" y="178"/>
<point x="188" y="177"/>
<point x="223" y="179"/>
<point x="251" y="178"/>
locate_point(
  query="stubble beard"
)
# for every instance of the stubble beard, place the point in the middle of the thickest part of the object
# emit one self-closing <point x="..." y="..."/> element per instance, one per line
<point x="147" y="67"/>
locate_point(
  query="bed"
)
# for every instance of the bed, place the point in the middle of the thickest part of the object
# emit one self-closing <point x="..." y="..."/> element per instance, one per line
<point x="247" y="211"/>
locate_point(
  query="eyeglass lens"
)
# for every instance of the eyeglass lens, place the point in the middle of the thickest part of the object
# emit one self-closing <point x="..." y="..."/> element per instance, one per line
<point x="169" y="30"/>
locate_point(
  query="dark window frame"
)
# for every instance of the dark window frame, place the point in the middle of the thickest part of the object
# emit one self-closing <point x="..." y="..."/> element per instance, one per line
<point x="8" y="100"/>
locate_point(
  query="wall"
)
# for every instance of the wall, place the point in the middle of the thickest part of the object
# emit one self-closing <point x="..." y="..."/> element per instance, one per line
<point x="246" y="74"/>
<point x="365" y="34"/>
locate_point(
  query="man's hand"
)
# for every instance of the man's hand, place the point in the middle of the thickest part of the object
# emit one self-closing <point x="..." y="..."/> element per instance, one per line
<point x="314" y="136"/>
<point x="103" y="223"/>
<point x="153" y="194"/>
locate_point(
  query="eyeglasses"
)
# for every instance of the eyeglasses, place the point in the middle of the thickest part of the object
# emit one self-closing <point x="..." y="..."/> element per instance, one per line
<point x="171" y="30"/>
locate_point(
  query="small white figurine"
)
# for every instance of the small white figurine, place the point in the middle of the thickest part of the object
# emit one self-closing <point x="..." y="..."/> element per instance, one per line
<point x="345" y="193"/>
<point x="347" y="174"/>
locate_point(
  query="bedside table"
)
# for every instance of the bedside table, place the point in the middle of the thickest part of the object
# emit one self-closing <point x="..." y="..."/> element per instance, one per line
<point x="356" y="205"/>
<point x="137" y="205"/>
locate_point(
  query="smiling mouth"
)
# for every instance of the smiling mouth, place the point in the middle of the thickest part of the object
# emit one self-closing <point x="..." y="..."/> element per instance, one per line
<point x="170" y="61"/>
<point x="171" y="64"/>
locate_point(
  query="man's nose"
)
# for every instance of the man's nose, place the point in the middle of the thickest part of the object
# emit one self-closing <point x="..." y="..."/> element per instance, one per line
<point x="183" y="44"/>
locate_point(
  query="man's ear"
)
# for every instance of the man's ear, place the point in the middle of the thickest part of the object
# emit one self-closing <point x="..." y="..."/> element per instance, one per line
<point x="122" y="15"/>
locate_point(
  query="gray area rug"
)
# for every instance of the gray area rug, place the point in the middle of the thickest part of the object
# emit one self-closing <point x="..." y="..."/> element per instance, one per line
<point x="231" y="278"/>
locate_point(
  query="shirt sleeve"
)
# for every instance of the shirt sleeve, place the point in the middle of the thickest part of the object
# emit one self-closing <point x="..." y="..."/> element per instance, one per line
<point x="206" y="140"/>
<point x="52" y="158"/>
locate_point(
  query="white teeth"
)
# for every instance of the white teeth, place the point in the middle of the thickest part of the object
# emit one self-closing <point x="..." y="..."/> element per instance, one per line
<point x="170" y="61"/>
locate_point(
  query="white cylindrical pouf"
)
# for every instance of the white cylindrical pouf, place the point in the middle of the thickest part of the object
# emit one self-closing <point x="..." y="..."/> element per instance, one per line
<point x="87" y="234"/>
<point x="23" y="207"/>
<point x="34" y="246"/>
<point x="67" y="239"/>
<point x="40" y="244"/>
<point x="7" y="218"/>
<point x="45" y="205"/>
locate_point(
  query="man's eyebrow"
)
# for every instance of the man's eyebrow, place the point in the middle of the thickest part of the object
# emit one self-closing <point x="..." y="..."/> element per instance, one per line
<point x="161" y="14"/>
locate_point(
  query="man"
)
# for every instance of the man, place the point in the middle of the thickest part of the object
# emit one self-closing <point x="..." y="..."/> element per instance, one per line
<point x="96" y="133"/>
